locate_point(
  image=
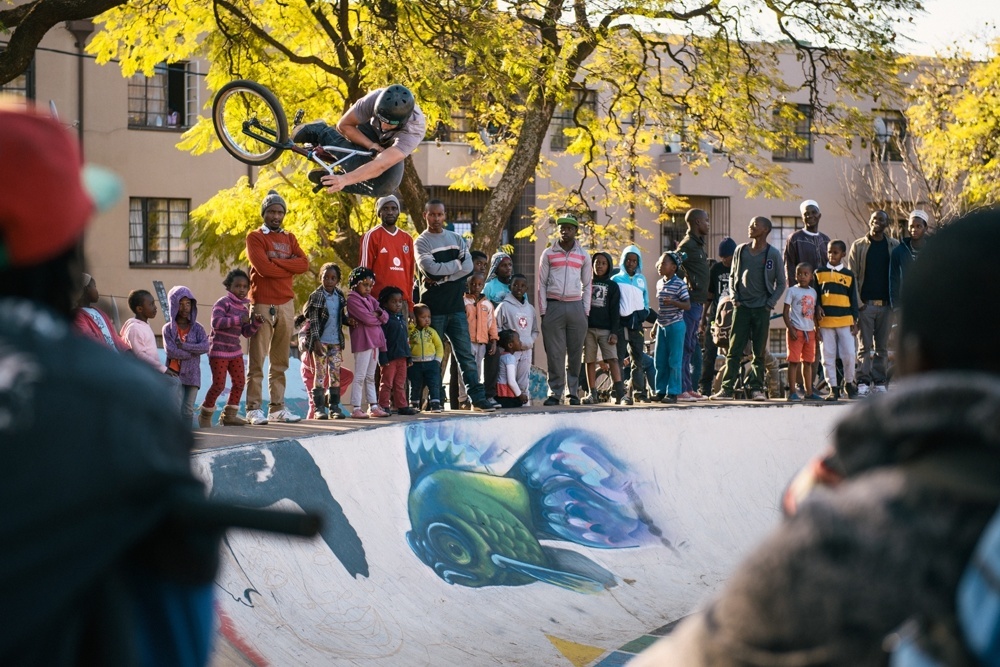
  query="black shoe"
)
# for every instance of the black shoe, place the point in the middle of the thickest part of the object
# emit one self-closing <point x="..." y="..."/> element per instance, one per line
<point x="669" y="399"/>
<point x="852" y="390"/>
<point x="407" y="411"/>
<point x="574" y="400"/>
<point x="627" y="400"/>
<point x="483" y="406"/>
<point x="658" y="397"/>
<point x="551" y="400"/>
<point x="308" y="133"/>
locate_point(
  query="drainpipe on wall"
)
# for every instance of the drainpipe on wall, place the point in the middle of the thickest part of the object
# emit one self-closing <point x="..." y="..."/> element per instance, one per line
<point x="80" y="30"/>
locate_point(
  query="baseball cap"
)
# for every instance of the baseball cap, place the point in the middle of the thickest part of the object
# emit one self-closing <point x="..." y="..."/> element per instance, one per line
<point x="49" y="195"/>
<point x="567" y="220"/>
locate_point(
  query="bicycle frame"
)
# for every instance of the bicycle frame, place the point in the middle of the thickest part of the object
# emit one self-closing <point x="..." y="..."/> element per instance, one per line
<point x="325" y="156"/>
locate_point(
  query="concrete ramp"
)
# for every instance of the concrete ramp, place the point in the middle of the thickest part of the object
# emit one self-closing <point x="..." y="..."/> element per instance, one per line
<point x="533" y="539"/>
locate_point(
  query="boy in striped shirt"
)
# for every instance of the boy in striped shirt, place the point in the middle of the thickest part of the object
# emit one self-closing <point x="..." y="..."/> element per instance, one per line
<point x="838" y="318"/>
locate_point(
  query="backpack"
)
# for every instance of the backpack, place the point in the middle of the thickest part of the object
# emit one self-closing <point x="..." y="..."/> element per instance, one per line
<point x="722" y="324"/>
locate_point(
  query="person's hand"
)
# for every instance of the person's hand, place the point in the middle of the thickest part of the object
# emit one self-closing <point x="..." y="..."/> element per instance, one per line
<point x="793" y="334"/>
<point x="491" y="349"/>
<point x="259" y="317"/>
<point x="854" y="329"/>
<point x="351" y="322"/>
<point x="333" y="183"/>
<point x="613" y="339"/>
<point x="409" y="362"/>
<point x="317" y="347"/>
<point x="244" y="318"/>
<point x="523" y="398"/>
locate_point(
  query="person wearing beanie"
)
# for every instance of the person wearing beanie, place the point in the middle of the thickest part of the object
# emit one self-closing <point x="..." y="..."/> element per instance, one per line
<point x="95" y="554"/>
<point x="275" y="259"/>
<point x="388" y="251"/>
<point x="718" y="284"/>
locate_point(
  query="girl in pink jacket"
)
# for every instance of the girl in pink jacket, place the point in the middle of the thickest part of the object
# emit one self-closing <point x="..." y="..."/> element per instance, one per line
<point x="367" y="339"/>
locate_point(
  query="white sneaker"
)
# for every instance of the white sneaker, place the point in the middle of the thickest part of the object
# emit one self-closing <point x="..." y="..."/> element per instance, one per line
<point x="863" y="390"/>
<point x="256" y="417"/>
<point x="880" y="389"/>
<point x="283" y="415"/>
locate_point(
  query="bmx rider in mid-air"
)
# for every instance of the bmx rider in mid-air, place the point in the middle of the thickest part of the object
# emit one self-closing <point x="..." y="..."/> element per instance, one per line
<point x="386" y="121"/>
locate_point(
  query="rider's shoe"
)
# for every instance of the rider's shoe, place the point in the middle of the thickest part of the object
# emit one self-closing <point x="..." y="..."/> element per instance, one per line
<point x="308" y="133"/>
<point x="315" y="175"/>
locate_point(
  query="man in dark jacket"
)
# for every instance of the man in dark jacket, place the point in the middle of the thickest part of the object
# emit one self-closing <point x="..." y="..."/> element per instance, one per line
<point x="882" y="528"/>
<point x="905" y="254"/>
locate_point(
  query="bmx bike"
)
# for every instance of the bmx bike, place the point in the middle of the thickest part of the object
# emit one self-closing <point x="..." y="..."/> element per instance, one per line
<point x="253" y="128"/>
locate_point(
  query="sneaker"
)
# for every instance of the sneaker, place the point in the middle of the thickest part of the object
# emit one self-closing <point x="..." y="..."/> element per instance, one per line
<point x="308" y="133"/>
<point x="256" y="417"/>
<point x="863" y="390"/>
<point x="627" y="400"/>
<point x="574" y="400"/>
<point x="669" y="399"/>
<point x="377" y="411"/>
<point x="813" y="397"/>
<point x="483" y="406"/>
<point x="880" y="389"/>
<point x="465" y="405"/>
<point x="407" y="411"/>
<point x="284" y="415"/>
<point x="793" y="398"/>
<point x="758" y="395"/>
<point x="495" y="403"/>
<point x="689" y="396"/>
<point x="435" y="406"/>
<point x="722" y="395"/>
<point x="852" y="390"/>
<point x="551" y="400"/>
<point x="642" y="398"/>
<point x="658" y="397"/>
<point x="697" y="395"/>
<point x="358" y="413"/>
<point x="833" y="396"/>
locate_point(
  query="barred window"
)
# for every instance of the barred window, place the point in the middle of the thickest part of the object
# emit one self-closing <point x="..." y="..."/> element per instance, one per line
<point x="158" y="231"/>
<point x="22" y="86"/>
<point x="890" y="136"/>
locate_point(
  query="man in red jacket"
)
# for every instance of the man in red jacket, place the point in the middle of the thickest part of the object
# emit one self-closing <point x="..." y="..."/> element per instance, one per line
<point x="275" y="260"/>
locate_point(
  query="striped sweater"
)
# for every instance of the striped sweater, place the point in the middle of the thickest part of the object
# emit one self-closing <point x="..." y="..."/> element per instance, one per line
<point x="224" y="341"/>
<point x="838" y="295"/>
<point x="564" y="276"/>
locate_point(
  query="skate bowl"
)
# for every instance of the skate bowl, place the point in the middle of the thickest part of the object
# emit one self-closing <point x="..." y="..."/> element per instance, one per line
<point x="549" y="538"/>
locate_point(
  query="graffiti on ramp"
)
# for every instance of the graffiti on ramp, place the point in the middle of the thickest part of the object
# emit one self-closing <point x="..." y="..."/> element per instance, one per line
<point x="476" y="527"/>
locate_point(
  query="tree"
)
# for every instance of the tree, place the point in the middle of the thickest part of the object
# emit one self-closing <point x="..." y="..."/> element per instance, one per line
<point x="702" y="73"/>
<point x="29" y="22"/>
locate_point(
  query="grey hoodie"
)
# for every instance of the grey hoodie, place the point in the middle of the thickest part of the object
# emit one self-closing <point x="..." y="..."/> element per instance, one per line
<point x="521" y="317"/>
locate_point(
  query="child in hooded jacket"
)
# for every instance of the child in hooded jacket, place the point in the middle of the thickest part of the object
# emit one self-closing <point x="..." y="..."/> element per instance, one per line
<point x="184" y="341"/>
<point x="603" y="327"/>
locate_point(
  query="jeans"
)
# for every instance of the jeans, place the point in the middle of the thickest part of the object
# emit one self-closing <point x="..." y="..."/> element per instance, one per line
<point x="692" y="319"/>
<point x="455" y="327"/>
<point x="669" y="358"/>
<point x="380" y="186"/>
<point x="424" y="374"/>
<point x="751" y="324"/>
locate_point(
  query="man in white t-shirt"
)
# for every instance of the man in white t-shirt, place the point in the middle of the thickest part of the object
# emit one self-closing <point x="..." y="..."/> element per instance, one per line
<point x="387" y="121"/>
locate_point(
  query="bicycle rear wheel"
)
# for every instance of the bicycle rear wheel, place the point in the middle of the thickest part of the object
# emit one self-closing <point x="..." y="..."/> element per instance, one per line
<point x="250" y="122"/>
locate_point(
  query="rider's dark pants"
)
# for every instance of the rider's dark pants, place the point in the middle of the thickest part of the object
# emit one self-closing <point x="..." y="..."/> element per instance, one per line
<point x="380" y="186"/>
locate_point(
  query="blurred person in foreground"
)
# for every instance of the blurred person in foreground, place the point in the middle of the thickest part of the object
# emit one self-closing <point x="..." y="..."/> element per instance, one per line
<point x="95" y="567"/>
<point x="880" y="529"/>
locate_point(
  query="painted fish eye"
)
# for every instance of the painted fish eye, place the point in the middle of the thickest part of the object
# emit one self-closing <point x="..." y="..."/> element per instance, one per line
<point x="449" y="543"/>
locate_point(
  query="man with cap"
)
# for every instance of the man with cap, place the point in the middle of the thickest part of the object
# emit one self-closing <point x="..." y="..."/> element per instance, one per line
<point x="718" y="284"/>
<point x="388" y="251"/>
<point x="807" y="244"/>
<point x="387" y="121"/>
<point x="564" y="277"/>
<point x="906" y="253"/>
<point x="275" y="259"/>
<point x="93" y="569"/>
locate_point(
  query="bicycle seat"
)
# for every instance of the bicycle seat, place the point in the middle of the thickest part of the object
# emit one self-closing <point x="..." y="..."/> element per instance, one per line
<point x="323" y="154"/>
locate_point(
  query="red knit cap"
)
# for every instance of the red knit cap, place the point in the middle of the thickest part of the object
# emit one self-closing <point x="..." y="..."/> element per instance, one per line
<point x="45" y="206"/>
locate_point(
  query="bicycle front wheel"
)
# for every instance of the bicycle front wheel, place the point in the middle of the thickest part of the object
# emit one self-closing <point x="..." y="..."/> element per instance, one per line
<point x="250" y="122"/>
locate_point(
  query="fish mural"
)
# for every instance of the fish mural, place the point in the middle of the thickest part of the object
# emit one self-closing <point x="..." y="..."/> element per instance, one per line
<point x="475" y="527"/>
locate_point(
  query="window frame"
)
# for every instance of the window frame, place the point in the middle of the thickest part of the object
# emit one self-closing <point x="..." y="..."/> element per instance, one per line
<point x="563" y="119"/>
<point x="176" y="233"/>
<point x="802" y="130"/>
<point x="152" y="99"/>
<point x="894" y="148"/>
<point x="26" y="78"/>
